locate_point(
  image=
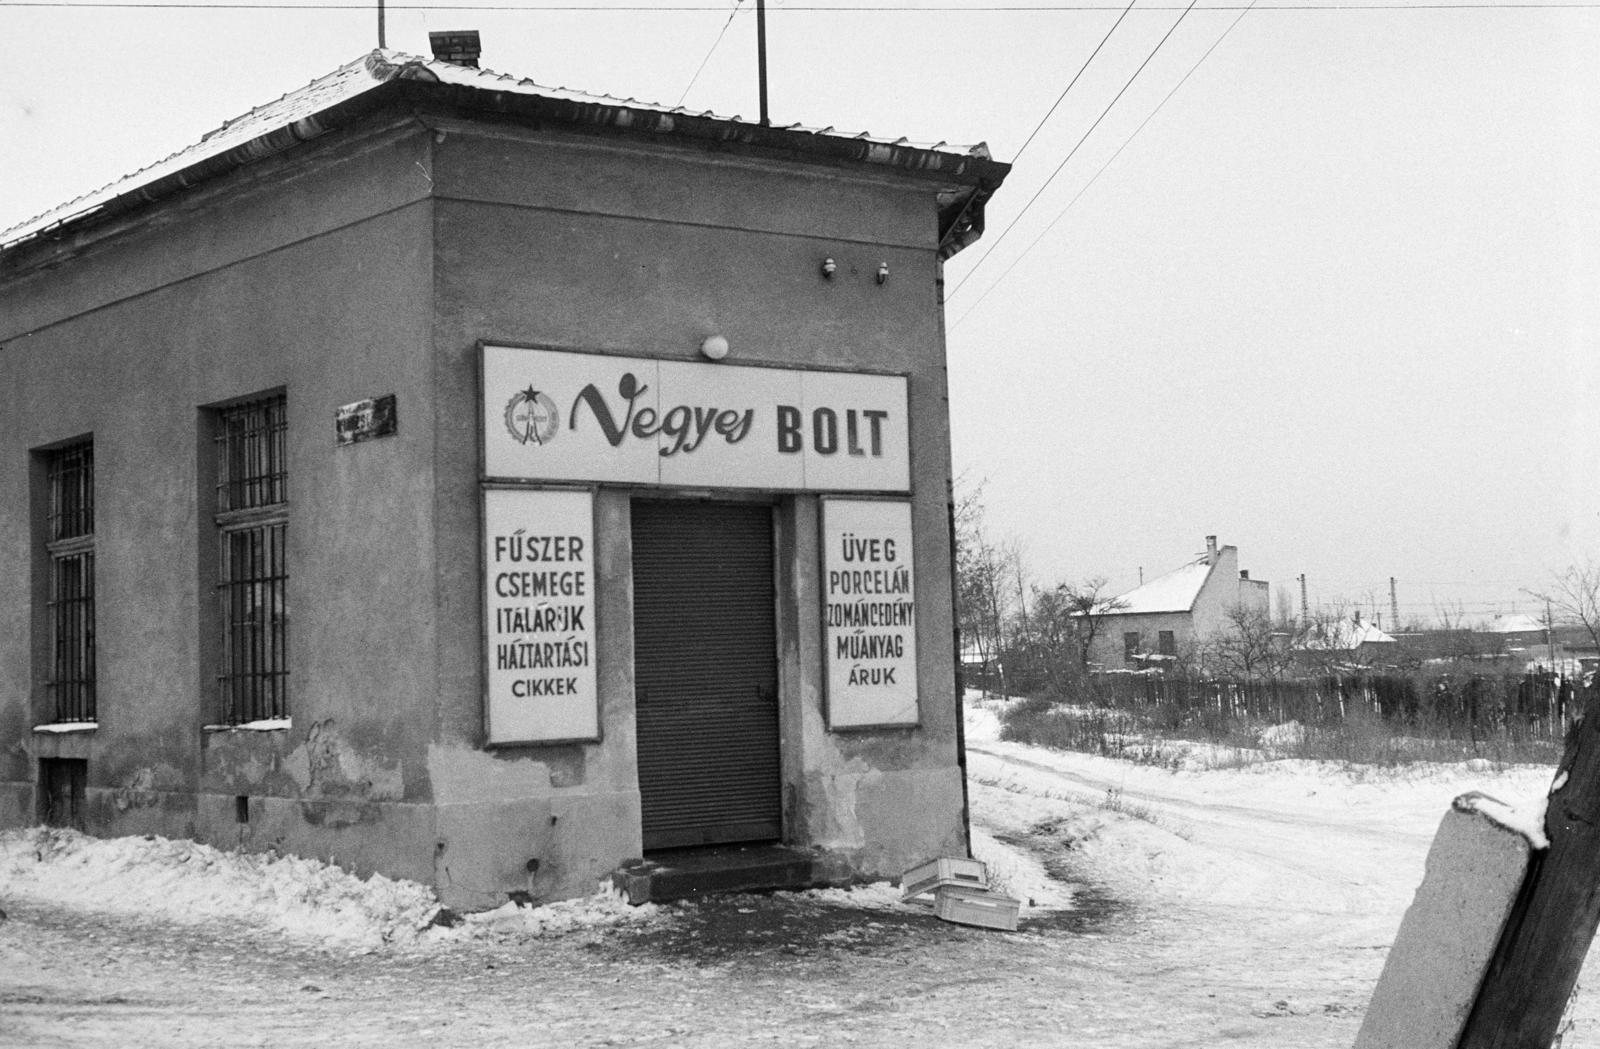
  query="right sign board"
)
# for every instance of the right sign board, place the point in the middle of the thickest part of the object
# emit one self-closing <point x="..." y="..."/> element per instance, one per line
<point x="869" y="613"/>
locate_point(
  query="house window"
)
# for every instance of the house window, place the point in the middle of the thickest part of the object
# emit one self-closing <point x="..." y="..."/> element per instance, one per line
<point x="252" y="517"/>
<point x="1130" y="646"/>
<point x="69" y="541"/>
<point x="1166" y="644"/>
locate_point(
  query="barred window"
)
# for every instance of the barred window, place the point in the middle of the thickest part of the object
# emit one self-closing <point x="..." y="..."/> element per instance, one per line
<point x="253" y="575"/>
<point x="250" y="454"/>
<point x="70" y="544"/>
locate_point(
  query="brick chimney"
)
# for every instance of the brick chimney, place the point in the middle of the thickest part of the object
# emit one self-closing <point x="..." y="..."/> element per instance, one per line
<point x="1211" y="549"/>
<point x="457" y="46"/>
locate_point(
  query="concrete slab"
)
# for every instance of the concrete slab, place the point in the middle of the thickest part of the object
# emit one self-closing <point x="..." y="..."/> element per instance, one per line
<point x="1431" y="978"/>
<point x="687" y="873"/>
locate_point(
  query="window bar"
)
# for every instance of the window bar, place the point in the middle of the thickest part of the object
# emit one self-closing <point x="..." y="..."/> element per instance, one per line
<point x="257" y="634"/>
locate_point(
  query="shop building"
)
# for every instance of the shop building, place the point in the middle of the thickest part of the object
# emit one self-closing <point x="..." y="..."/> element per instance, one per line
<point x="487" y="485"/>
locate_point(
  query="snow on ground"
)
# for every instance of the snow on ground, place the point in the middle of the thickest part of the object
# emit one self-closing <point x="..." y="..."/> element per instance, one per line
<point x="1218" y="903"/>
<point x="188" y="883"/>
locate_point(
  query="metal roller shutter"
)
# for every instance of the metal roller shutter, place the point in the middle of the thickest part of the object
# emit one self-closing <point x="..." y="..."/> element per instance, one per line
<point x="706" y="673"/>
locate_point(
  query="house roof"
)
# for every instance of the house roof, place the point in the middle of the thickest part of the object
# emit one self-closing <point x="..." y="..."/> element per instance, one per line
<point x="1347" y="635"/>
<point x="1173" y="592"/>
<point x="369" y="81"/>
<point x="1516" y="623"/>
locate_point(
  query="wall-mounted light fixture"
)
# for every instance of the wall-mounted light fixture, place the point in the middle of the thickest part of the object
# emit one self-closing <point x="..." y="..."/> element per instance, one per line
<point x="715" y="347"/>
<point x="883" y="272"/>
<point x="829" y="268"/>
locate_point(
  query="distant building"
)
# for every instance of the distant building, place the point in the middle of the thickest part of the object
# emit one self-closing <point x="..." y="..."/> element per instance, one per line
<point x="1157" y="622"/>
<point x="1349" y="640"/>
<point x="488" y="484"/>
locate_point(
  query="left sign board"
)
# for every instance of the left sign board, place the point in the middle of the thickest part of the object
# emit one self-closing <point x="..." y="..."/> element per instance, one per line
<point x="539" y="601"/>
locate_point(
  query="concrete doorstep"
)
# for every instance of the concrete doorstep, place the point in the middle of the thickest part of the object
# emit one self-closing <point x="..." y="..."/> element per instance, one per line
<point x="688" y="873"/>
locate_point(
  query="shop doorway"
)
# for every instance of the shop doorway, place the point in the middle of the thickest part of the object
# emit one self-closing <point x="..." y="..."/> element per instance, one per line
<point x="706" y="673"/>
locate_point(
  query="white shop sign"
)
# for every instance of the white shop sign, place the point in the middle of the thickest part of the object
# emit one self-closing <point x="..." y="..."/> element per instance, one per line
<point x="551" y="415"/>
<point x="539" y="603"/>
<point x="869" y="613"/>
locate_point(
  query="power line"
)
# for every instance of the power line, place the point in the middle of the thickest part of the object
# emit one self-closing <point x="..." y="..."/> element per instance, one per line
<point x="1072" y="152"/>
<point x="1096" y="177"/>
<point x="179" y="5"/>
<point x="714" y="43"/>
<point x="1076" y="76"/>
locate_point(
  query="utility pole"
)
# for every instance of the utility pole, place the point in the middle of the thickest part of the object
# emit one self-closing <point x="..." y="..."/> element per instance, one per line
<point x="1305" y="610"/>
<point x="761" y="57"/>
<point x="381" y="41"/>
<point x="1549" y="634"/>
<point x="1394" y="607"/>
<point x="1022" y="602"/>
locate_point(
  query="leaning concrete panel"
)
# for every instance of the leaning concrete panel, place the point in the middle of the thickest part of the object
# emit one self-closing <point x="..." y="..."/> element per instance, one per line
<point x="1474" y="871"/>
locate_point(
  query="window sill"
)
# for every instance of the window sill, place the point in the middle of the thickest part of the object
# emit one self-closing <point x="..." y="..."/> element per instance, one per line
<point x="268" y="725"/>
<point x="59" y="727"/>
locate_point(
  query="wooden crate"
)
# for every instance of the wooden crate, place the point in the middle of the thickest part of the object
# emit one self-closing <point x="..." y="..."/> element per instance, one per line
<point x="964" y="906"/>
<point x="929" y="876"/>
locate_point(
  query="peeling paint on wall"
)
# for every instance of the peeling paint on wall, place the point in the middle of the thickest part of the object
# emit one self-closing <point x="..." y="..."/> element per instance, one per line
<point x="141" y="791"/>
<point x="326" y="766"/>
<point x="834" y="822"/>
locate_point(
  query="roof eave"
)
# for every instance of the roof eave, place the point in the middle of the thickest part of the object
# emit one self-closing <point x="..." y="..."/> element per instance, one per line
<point x="279" y="140"/>
<point x="960" y="218"/>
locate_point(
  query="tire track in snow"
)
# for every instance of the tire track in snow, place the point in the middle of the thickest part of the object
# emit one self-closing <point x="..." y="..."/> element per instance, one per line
<point x="1273" y="859"/>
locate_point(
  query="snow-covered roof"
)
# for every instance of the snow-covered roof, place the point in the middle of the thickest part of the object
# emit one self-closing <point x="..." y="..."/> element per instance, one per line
<point x="1173" y="592"/>
<point x="1347" y="635"/>
<point x="1516" y="623"/>
<point x="312" y="110"/>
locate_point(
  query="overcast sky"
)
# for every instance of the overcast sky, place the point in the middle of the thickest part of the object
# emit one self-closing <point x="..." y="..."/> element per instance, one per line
<point x="1334" y="300"/>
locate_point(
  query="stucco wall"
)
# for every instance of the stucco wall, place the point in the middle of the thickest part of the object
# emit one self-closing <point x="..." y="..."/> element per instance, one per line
<point x="372" y="263"/>
<point x="1108" y="650"/>
<point x="573" y="244"/>
<point x="316" y="281"/>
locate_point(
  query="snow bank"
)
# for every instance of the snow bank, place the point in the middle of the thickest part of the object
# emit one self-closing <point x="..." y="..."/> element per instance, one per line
<point x="185" y="882"/>
<point x="190" y="884"/>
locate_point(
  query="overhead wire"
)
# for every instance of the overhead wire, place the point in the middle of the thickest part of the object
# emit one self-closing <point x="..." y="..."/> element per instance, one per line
<point x="1073" y="151"/>
<point x="714" y="44"/>
<point x="260" y="5"/>
<point x="1070" y="84"/>
<point x="1093" y="179"/>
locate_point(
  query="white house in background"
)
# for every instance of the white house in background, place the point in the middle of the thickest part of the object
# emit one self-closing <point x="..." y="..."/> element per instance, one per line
<point x="1152" y="623"/>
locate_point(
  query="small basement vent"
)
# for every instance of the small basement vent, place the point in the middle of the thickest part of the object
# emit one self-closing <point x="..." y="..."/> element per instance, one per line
<point x="62" y="786"/>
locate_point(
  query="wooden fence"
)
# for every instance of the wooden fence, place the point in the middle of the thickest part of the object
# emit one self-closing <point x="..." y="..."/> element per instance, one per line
<point x="1538" y="705"/>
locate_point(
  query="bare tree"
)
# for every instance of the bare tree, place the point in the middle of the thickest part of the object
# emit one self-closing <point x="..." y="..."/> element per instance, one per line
<point x="984" y="579"/>
<point x="1576" y="593"/>
<point x="1251" y="645"/>
<point x="1088" y="606"/>
<point x="1460" y="641"/>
